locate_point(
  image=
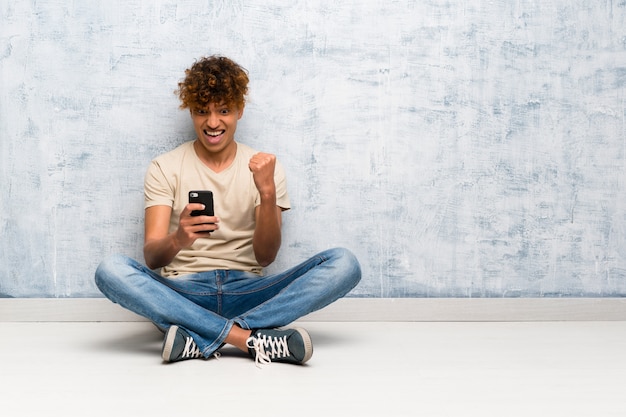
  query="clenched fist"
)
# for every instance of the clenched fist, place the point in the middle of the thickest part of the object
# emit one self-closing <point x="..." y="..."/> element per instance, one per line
<point x="262" y="167"/>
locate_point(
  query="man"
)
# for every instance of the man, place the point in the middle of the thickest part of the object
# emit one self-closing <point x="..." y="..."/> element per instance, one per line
<point x="211" y="289"/>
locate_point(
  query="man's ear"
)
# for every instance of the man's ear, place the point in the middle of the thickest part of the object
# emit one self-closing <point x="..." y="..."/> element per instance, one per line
<point x="241" y="112"/>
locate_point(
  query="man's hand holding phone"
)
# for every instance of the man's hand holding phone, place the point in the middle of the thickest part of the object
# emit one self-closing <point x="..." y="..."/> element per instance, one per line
<point x="198" y="217"/>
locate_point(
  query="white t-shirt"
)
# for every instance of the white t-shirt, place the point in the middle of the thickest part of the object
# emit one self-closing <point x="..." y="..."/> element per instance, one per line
<point x="168" y="181"/>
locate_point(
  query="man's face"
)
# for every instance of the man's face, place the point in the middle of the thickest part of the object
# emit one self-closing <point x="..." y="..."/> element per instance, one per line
<point x="215" y="126"/>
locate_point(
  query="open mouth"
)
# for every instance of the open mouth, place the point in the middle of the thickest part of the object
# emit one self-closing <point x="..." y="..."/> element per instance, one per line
<point x="214" y="136"/>
<point x="214" y="133"/>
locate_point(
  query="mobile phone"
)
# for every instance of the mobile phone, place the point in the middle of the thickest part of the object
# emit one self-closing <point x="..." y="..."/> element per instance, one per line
<point x="203" y="197"/>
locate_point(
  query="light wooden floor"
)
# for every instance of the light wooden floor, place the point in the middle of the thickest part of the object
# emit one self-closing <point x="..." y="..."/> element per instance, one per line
<point x="358" y="369"/>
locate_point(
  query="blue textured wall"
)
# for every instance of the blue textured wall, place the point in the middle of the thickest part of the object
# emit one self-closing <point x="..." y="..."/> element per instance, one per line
<point x="471" y="148"/>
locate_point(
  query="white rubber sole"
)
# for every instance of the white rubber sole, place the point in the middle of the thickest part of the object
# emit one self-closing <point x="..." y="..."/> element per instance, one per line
<point x="308" y="344"/>
<point x="170" y="337"/>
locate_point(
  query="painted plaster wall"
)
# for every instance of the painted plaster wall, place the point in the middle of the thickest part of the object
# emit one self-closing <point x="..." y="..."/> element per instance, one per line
<point x="459" y="148"/>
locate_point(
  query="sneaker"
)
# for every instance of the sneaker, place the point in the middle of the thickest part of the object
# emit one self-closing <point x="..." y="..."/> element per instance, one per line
<point x="178" y="345"/>
<point x="289" y="345"/>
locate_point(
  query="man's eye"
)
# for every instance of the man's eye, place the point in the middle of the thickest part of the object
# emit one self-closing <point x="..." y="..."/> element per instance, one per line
<point x="225" y="111"/>
<point x="199" y="111"/>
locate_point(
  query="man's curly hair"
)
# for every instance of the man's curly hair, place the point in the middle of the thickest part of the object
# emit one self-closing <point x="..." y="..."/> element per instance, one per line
<point x="214" y="79"/>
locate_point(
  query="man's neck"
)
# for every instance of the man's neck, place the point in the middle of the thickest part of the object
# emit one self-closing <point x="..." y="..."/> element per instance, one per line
<point x="216" y="161"/>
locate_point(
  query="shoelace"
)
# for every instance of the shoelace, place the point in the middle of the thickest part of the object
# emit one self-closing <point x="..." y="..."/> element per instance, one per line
<point x="191" y="349"/>
<point x="268" y="348"/>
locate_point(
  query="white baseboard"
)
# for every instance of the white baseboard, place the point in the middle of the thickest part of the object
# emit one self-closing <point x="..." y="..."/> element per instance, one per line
<point x="351" y="309"/>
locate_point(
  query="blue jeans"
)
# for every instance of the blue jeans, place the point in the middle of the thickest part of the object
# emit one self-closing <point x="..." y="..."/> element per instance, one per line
<point x="208" y="304"/>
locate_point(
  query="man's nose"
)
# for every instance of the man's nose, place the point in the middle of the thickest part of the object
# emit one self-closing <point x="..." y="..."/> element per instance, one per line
<point x="212" y="120"/>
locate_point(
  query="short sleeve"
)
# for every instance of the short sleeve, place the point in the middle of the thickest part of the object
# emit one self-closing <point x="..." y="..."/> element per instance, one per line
<point x="280" y="179"/>
<point x="157" y="189"/>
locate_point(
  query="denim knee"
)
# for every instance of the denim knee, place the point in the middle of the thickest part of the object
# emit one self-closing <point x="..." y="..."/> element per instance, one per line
<point x="348" y="266"/>
<point x="109" y="269"/>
